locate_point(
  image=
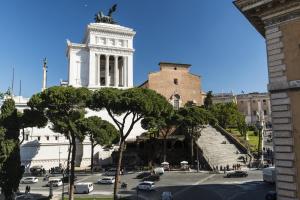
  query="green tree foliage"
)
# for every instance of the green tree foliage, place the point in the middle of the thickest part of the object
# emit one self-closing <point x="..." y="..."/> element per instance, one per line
<point x="63" y="107"/>
<point x="127" y="107"/>
<point x="193" y="119"/>
<point x="242" y="125"/>
<point x="208" y="100"/>
<point x="227" y="114"/>
<point x="11" y="172"/>
<point x="6" y="147"/>
<point x="101" y="132"/>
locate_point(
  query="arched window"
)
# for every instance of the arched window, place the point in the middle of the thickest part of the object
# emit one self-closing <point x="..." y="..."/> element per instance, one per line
<point x="176" y="99"/>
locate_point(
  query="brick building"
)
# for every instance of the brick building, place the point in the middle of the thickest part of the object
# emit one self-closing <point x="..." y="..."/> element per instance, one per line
<point x="176" y="83"/>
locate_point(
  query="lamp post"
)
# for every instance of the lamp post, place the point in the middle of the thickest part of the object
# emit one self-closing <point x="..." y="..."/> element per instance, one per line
<point x="260" y="127"/>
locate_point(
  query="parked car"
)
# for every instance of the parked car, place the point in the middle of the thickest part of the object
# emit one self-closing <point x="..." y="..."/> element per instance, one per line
<point x="83" y="188"/>
<point x="28" y="180"/>
<point x="237" y="174"/>
<point x="106" y="180"/>
<point x="37" y="170"/>
<point x="146" y="185"/>
<point x="269" y="175"/>
<point x="159" y="171"/>
<point x="143" y="175"/>
<point x="166" y="196"/>
<point x="153" y="177"/>
<point x="66" y="179"/>
<point x="55" y="182"/>
<point x="271" y="195"/>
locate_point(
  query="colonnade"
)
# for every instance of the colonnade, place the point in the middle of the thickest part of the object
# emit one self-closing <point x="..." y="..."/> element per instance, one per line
<point x="111" y="70"/>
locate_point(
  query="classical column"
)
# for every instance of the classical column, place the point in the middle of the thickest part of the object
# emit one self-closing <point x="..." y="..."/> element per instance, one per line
<point x="116" y="72"/>
<point x="106" y="70"/>
<point x="97" y="70"/>
<point x="249" y="107"/>
<point x="259" y="106"/>
<point x="124" y="71"/>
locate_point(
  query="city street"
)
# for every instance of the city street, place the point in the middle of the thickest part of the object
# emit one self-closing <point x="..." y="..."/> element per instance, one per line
<point x="182" y="185"/>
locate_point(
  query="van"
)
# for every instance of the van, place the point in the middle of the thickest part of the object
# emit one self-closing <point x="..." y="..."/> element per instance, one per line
<point x="159" y="170"/>
<point x="56" y="182"/>
<point x="83" y="188"/>
<point x="269" y="175"/>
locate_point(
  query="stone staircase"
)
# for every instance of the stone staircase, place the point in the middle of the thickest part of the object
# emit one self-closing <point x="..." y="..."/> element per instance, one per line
<point x="217" y="150"/>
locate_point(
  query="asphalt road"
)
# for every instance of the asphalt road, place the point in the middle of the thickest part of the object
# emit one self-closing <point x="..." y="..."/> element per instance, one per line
<point x="183" y="185"/>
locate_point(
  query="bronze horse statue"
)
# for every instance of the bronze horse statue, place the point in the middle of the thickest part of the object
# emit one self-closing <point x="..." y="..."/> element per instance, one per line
<point x="101" y="18"/>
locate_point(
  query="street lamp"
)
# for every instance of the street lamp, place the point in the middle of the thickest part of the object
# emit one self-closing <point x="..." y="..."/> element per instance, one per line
<point x="260" y="127"/>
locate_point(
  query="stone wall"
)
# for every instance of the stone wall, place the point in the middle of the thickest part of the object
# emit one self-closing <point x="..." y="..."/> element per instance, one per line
<point x="284" y="71"/>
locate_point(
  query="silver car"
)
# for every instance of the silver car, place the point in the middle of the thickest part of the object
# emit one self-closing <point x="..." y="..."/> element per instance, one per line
<point x="28" y="180"/>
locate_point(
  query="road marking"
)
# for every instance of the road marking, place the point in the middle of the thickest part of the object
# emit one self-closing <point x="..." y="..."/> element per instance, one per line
<point x="193" y="185"/>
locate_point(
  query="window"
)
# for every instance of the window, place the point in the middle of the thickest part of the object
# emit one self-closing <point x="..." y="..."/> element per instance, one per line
<point x="47" y="137"/>
<point x="56" y="137"/>
<point x="265" y="112"/>
<point x="176" y="101"/>
<point x="39" y="138"/>
<point x="26" y="137"/>
<point x="175" y="81"/>
<point x="175" y="68"/>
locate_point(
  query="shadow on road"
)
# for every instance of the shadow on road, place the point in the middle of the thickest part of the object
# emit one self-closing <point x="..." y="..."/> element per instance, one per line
<point x="252" y="190"/>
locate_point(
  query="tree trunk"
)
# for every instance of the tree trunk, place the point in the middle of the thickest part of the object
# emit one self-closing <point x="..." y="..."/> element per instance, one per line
<point x="192" y="151"/>
<point x="92" y="154"/>
<point x="197" y="152"/>
<point x="117" y="175"/>
<point x="69" y="155"/>
<point x="165" y="149"/>
<point x="71" y="194"/>
<point x="23" y="136"/>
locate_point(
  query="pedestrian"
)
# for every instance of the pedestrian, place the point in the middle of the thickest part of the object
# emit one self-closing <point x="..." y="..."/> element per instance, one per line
<point x="221" y="168"/>
<point x="29" y="189"/>
<point x="26" y="189"/>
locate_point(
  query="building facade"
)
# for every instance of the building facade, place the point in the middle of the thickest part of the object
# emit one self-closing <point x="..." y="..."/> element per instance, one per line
<point x="176" y="84"/>
<point x="224" y="98"/>
<point x="278" y="21"/>
<point x="253" y="103"/>
<point x="104" y="59"/>
<point x="248" y="104"/>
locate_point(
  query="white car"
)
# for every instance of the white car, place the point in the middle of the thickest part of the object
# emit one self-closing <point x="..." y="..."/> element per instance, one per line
<point x="83" y="188"/>
<point x="28" y="180"/>
<point x="55" y="182"/>
<point x="146" y="185"/>
<point x="107" y="180"/>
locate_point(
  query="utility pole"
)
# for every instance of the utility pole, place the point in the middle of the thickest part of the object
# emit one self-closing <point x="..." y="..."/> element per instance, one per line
<point x="44" y="74"/>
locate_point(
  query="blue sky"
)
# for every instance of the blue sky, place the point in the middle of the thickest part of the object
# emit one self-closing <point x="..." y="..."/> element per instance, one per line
<point x="211" y="35"/>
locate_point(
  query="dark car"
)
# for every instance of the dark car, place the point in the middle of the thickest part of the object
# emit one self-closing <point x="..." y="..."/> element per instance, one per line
<point x="66" y="179"/>
<point x="237" y="174"/>
<point x="143" y="175"/>
<point x="153" y="177"/>
<point x="271" y="195"/>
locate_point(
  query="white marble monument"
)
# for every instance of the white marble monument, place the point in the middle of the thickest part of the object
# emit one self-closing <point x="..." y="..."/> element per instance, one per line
<point x="104" y="59"/>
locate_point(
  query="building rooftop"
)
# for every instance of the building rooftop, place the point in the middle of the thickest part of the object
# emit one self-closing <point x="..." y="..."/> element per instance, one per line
<point x="170" y="64"/>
